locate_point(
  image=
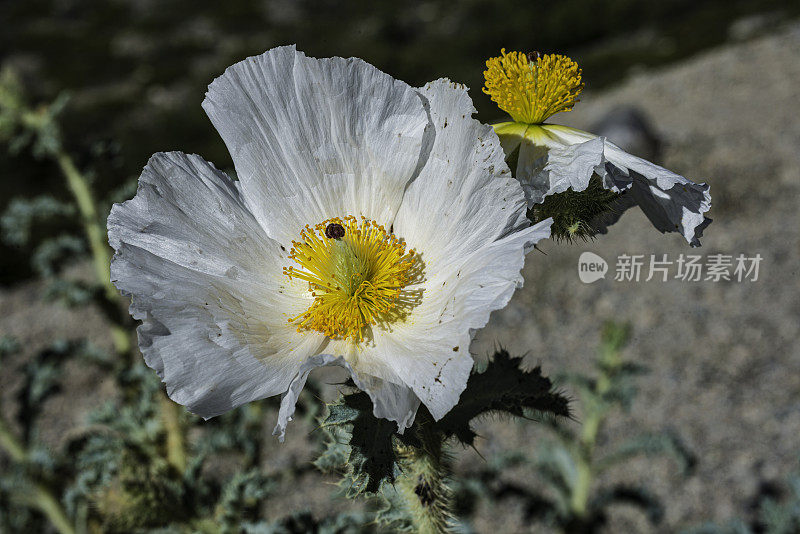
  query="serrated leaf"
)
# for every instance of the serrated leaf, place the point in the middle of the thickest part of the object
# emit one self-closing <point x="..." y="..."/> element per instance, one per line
<point x="334" y="456"/>
<point x="372" y="458"/>
<point x="505" y="388"/>
<point x="393" y="513"/>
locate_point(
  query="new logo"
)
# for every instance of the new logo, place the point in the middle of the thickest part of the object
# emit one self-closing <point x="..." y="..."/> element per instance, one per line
<point x="591" y="267"/>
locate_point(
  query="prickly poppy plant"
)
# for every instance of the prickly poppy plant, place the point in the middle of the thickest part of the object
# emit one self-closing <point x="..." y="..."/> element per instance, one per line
<point x="368" y="225"/>
<point x="373" y="226"/>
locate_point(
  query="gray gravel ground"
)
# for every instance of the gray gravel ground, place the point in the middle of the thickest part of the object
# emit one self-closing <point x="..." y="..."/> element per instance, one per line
<point x="724" y="357"/>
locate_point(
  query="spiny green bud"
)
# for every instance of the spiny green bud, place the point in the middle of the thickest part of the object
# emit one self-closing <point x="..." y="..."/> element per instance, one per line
<point x="576" y="214"/>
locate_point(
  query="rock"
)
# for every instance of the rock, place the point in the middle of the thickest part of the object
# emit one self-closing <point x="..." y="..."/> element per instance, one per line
<point x="629" y="128"/>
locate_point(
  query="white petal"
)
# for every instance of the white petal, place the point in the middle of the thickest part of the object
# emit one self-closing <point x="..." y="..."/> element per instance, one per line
<point x="290" y="122"/>
<point x="554" y="158"/>
<point x="572" y="166"/>
<point x="473" y="250"/>
<point x="465" y="184"/>
<point x="390" y="401"/>
<point x="430" y="350"/>
<point x="670" y="201"/>
<point x="207" y="284"/>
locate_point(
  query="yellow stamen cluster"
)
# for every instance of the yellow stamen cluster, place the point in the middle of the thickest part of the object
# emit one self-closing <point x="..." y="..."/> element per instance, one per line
<point x="355" y="279"/>
<point x="531" y="90"/>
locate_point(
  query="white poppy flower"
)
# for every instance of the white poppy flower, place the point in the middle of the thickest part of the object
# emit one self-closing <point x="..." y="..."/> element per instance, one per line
<point x="373" y="226"/>
<point x="551" y="158"/>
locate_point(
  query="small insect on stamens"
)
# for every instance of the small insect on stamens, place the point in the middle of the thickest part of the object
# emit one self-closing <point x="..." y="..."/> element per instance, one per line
<point x="334" y="231"/>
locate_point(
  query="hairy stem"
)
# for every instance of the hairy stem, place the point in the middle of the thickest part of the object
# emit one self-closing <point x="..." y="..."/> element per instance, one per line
<point x="95" y="229"/>
<point x="610" y="360"/>
<point x="42" y="498"/>
<point x="96" y="235"/>
<point x="423" y="485"/>
<point x="46" y="502"/>
<point x="176" y="447"/>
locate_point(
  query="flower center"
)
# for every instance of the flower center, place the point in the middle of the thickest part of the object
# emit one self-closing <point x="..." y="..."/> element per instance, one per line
<point x="356" y="272"/>
<point x="531" y="90"/>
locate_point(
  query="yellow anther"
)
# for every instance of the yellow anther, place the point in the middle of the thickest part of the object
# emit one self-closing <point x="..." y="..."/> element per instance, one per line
<point x="355" y="280"/>
<point x="532" y="90"/>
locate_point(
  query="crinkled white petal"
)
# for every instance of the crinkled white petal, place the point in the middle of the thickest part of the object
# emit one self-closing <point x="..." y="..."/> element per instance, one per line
<point x="390" y="401"/>
<point x="430" y="350"/>
<point x="206" y="282"/>
<point x="553" y="158"/>
<point x="291" y="122"/>
<point x="465" y="184"/>
<point x="670" y="201"/>
<point x="572" y="166"/>
<point x="465" y="215"/>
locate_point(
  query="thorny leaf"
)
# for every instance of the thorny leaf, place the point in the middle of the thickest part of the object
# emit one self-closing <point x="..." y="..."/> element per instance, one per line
<point x="503" y="388"/>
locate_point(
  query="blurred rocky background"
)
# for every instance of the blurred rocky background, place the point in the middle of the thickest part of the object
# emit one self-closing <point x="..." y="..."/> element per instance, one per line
<point x="706" y="88"/>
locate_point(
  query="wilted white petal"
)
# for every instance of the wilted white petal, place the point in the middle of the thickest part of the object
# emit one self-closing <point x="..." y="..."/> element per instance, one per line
<point x="670" y="201"/>
<point x="205" y="280"/>
<point x="291" y="122"/>
<point x="572" y="166"/>
<point x="554" y="158"/>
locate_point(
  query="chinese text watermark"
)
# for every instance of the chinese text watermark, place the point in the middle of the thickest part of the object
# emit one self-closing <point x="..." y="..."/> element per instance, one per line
<point x="661" y="268"/>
